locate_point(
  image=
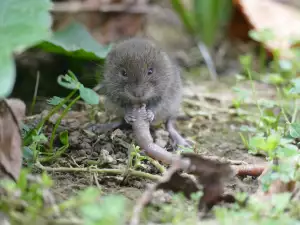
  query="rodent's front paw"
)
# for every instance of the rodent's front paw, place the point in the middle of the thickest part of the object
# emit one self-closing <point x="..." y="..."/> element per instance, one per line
<point x="129" y="118"/>
<point x="150" y="115"/>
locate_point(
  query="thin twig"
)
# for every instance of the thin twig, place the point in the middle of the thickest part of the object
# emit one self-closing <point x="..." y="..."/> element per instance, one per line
<point x="150" y="190"/>
<point x="92" y="170"/>
<point x="96" y="180"/>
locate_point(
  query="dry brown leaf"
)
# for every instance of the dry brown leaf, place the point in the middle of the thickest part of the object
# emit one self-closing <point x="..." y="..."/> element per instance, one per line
<point x="12" y="112"/>
<point x="282" y="19"/>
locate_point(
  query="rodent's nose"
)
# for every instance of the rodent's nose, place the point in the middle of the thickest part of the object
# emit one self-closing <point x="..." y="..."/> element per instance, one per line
<point x="138" y="92"/>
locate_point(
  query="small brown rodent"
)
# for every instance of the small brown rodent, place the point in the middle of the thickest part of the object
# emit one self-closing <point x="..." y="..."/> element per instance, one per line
<point x="136" y="71"/>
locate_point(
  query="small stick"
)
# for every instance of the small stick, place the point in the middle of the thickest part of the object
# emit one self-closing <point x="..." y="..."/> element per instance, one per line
<point x="150" y="190"/>
<point x="250" y="170"/>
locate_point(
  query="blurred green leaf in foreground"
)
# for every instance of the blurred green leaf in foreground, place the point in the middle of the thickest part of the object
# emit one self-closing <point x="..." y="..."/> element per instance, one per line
<point x="23" y="24"/>
<point x="75" y="41"/>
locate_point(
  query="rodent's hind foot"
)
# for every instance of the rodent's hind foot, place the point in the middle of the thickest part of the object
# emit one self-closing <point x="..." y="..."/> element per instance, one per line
<point x="177" y="139"/>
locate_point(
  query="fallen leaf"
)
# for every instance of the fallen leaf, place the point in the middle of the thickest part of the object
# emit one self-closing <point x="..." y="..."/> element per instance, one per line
<point x="282" y="19"/>
<point x="12" y="112"/>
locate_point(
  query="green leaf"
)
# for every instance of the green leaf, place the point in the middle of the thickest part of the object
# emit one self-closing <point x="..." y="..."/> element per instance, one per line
<point x="75" y="41"/>
<point x="296" y="88"/>
<point x="23" y="24"/>
<point x="295" y="130"/>
<point x="269" y="120"/>
<point x="274" y="78"/>
<point x="267" y="103"/>
<point x="104" y="213"/>
<point x="64" y="137"/>
<point x="88" y="95"/>
<point x="28" y="154"/>
<point x="184" y="15"/>
<point x="280" y="201"/>
<point x="262" y="36"/>
<point x="41" y="138"/>
<point x="47" y="181"/>
<point x="287" y="151"/>
<point x="258" y="143"/>
<point x="55" y="100"/>
<point x="209" y="16"/>
<point x="7" y="74"/>
<point x="285" y="65"/>
<point x="68" y="82"/>
<point x="273" y="141"/>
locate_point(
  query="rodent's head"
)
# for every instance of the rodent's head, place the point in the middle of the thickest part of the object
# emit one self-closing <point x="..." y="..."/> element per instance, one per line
<point x="137" y="71"/>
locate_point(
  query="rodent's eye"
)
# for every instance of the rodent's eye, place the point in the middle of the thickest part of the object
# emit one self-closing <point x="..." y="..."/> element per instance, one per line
<point x="124" y="73"/>
<point x="150" y="71"/>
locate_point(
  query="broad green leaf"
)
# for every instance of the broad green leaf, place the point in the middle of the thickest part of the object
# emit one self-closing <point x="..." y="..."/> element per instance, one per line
<point x="295" y="130"/>
<point x="7" y="74"/>
<point x="88" y="95"/>
<point x="287" y="151"/>
<point x="273" y="141"/>
<point x="75" y="41"/>
<point x="258" y="143"/>
<point x="22" y="25"/>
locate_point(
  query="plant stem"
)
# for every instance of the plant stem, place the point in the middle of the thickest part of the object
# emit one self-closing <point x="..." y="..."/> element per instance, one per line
<point x="208" y="61"/>
<point x="52" y="112"/>
<point x="282" y="108"/>
<point x="254" y="91"/>
<point x="105" y="171"/>
<point x="35" y="92"/>
<point x="262" y="58"/>
<point x="155" y="163"/>
<point x="294" y="117"/>
<point x="59" y="120"/>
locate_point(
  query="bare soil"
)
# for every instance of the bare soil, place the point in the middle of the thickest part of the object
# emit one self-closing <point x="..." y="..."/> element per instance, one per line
<point x="211" y="125"/>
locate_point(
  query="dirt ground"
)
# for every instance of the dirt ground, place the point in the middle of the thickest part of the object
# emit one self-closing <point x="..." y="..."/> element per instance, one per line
<point x="211" y="125"/>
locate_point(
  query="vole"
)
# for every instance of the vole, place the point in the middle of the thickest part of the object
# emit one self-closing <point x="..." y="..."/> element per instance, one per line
<point x="137" y="71"/>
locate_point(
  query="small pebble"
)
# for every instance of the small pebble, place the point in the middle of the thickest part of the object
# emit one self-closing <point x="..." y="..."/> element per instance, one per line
<point x="118" y="133"/>
<point x="95" y="154"/>
<point x="85" y="145"/>
<point x="81" y="152"/>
